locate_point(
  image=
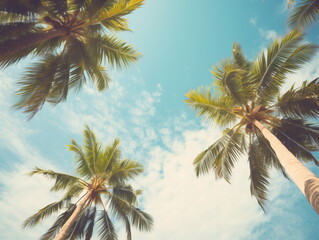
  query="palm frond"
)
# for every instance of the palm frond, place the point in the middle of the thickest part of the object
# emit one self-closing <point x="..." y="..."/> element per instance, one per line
<point x="27" y="8"/>
<point x="139" y="219"/>
<point x="119" y="9"/>
<point x="125" y="192"/>
<point x="258" y="175"/>
<point x="106" y="228"/>
<point x="90" y="224"/>
<point x="283" y="56"/>
<point x="15" y="29"/>
<point x="110" y="156"/>
<point x="304" y="14"/>
<point x="79" y="227"/>
<point x="210" y="107"/>
<point x="83" y="165"/>
<point x="239" y="57"/>
<point x="83" y="59"/>
<point x="55" y="8"/>
<point x="46" y="212"/>
<point x="117" y="52"/>
<point x="36" y="85"/>
<point x="269" y="156"/>
<point x="61" y="220"/>
<point x="117" y="24"/>
<point x="299" y="137"/>
<point x="92" y="148"/>
<point x="221" y="156"/>
<point x="62" y="181"/>
<point x="124" y="170"/>
<point x="300" y="102"/>
<point x="233" y="82"/>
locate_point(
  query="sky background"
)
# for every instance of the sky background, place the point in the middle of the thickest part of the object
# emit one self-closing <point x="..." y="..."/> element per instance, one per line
<point x="180" y="40"/>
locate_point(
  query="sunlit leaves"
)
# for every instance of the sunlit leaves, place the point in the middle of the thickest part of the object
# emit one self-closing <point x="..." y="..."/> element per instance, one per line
<point x="210" y="107"/>
<point x="284" y="56"/>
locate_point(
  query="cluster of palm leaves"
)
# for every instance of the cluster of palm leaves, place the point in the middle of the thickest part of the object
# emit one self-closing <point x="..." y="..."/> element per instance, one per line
<point x="101" y="190"/>
<point x="71" y="40"/>
<point x="248" y="91"/>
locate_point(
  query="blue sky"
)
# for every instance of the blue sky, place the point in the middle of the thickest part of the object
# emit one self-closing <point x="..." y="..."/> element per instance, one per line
<point x="180" y="41"/>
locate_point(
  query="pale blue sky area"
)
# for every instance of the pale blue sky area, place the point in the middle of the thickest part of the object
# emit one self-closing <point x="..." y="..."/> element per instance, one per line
<point x="180" y="40"/>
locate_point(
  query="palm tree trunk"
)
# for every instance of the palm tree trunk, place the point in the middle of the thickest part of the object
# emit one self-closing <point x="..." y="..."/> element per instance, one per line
<point x="63" y="233"/>
<point x="13" y="46"/>
<point x="306" y="181"/>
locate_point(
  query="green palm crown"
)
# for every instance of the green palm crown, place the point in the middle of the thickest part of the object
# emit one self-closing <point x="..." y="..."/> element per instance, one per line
<point x="248" y="91"/>
<point x="71" y="38"/>
<point x="102" y="180"/>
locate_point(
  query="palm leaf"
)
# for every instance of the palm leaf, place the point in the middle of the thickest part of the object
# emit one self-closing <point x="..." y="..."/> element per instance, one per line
<point x="106" y="228"/>
<point x="138" y="218"/>
<point x="62" y="181"/>
<point x="258" y="174"/>
<point x="119" y="9"/>
<point x="221" y="156"/>
<point x="110" y="156"/>
<point x="211" y="108"/>
<point x="239" y="57"/>
<point x="92" y="148"/>
<point x="61" y="220"/>
<point x="299" y="138"/>
<point x="233" y="82"/>
<point x="83" y="165"/>
<point x="124" y="170"/>
<point x="301" y="102"/>
<point x="125" y="192"/>
<point x="304" y="14"/>
<point x="117" y="52"/>
<point x="46" y="212"/>
<point x="269" y="71"/>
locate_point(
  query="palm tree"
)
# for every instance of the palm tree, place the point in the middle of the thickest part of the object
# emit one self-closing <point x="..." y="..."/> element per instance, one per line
<point x="304" y="14"/>
<point x="71" y="38"/>
<point x="271" y="128"/>
<point x="102" y="183"/>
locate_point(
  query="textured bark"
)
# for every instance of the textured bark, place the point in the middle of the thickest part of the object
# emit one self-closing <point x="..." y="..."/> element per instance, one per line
<point x="12" y="46"/>
<point x="67" y="226"/>
<point x="306" y="181"/>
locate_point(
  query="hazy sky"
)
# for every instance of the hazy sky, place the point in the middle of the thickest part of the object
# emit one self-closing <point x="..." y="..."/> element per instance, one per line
<point x="180" y="40"/>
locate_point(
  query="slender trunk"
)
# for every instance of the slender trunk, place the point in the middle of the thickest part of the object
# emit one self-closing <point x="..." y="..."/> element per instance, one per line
<point x="306" y="181"/>
<point x="67" y="226"/>
<point x="13" y="46"/>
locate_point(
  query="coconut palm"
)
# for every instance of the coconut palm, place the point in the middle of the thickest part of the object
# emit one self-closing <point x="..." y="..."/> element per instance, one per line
<point x="72" y="40"/>
<point x="271" y="128"/>
<point x="305" y="13"/>
<point x="101" y="189"/>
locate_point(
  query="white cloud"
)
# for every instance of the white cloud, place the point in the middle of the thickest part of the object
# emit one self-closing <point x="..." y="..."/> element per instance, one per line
<point x="268" y="35"/>
<point x="187" y="207"/>
<point x="253" y="21"/>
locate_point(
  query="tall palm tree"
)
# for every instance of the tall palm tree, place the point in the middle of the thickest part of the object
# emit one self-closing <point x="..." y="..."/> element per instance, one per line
<point x="305" y="13"/>
<point x="71" y="38"/>
<point x="101" y="184"/>
<point x="271" y="128"/>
